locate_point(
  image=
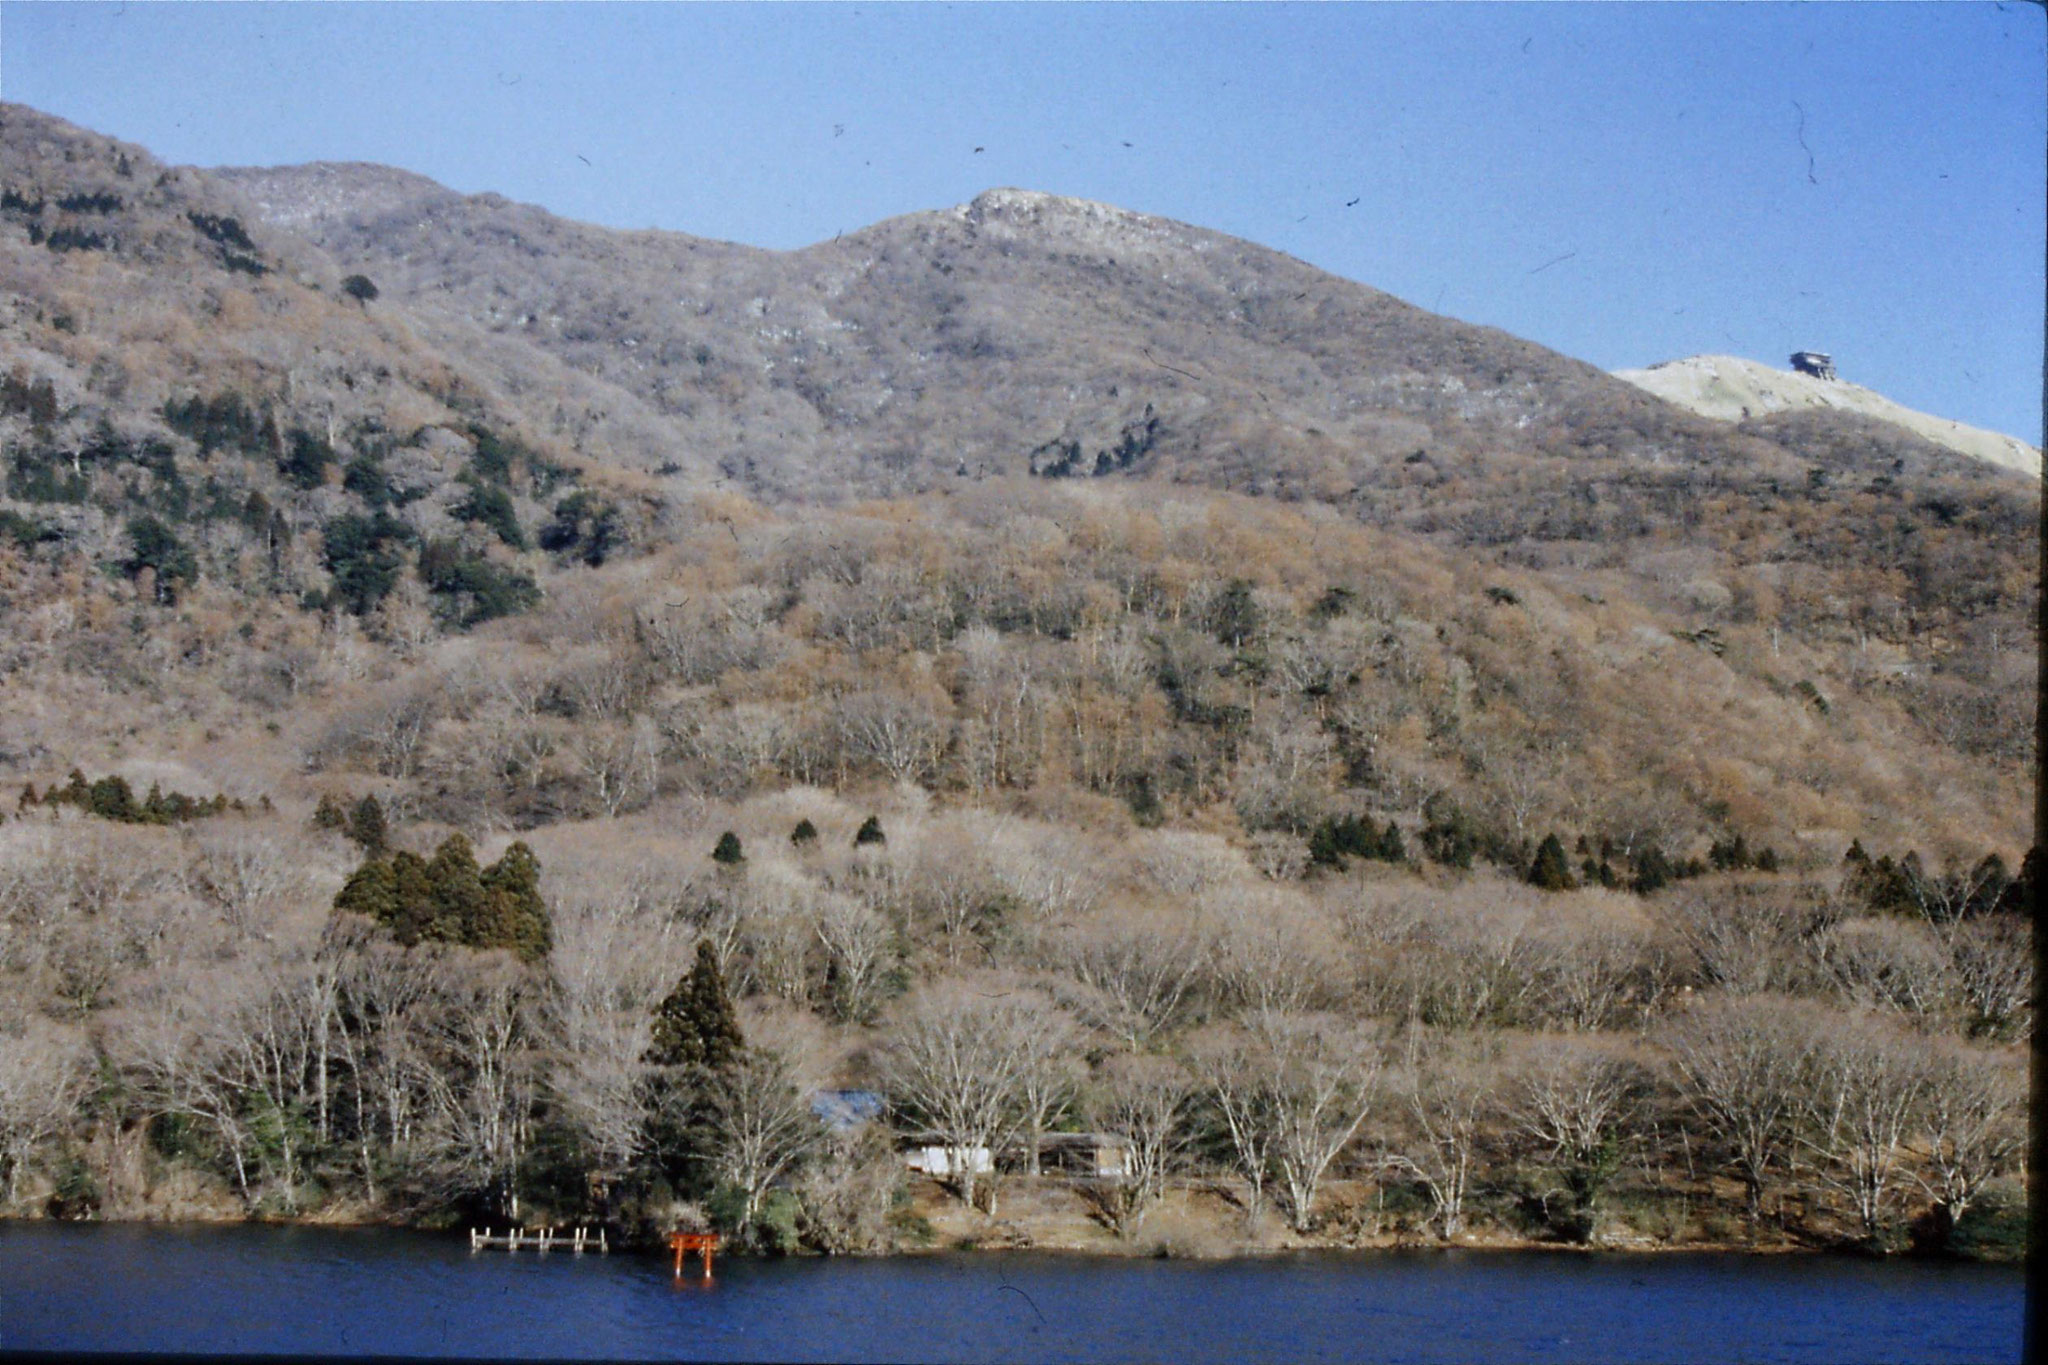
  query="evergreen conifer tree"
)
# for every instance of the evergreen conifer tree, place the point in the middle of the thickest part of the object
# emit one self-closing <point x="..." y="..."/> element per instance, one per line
<point x="870" y="832"/>
<point x="371" y="890"/>
<point x="728" y="852"/>
<point x="1653" y="871"/>
<point x="695" y="1026"/>
<point x="518" y="914"/>
<point x="455" y="890"/>
<point x="367" y="828"/>
<point x="1550" y="871"/>
<point x="412" y="897"/>
<point x="329" y="814"/>
<point x="804" y="834"/>
<point x="111" y="798"/>
<point x="1447" y="835"/>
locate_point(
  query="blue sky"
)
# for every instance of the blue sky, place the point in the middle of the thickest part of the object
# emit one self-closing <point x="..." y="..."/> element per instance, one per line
<point x="1625" y="182"/>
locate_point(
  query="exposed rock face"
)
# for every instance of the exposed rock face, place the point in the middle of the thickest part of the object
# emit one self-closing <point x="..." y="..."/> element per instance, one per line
<point x="1731" y="389"/>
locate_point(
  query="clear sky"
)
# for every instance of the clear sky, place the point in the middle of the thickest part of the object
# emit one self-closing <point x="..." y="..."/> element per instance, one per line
<point x="1627" y="183"/>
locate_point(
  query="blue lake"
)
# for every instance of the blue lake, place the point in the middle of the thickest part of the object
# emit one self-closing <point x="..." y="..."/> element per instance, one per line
<point x="375" y="1292"/>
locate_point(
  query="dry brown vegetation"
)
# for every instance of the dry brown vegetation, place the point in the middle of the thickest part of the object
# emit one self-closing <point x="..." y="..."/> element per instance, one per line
<point x="1115" y="732"/>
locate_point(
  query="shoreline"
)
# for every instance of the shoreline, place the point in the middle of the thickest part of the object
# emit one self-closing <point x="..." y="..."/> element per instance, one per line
<point x="1488" y="1242"/>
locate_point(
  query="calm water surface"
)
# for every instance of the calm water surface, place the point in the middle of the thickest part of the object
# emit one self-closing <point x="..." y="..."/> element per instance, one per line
<point x="254" y="1289"/>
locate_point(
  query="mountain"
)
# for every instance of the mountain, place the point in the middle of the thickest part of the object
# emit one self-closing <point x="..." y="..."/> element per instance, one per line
<point x="1085" y="626"/>
<point x="343" y="398"/>
<point x="1731" y="389"/>
<point x="1020" y="332"/>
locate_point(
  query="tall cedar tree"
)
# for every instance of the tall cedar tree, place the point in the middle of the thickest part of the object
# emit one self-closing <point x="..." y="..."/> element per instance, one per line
<point x="1551" y="871"/>
<point x="367" y="827"/>
<point x="456" y="885"/>
<point x="519" y="915"/>
<point x="695" y="1027"/>
<point x="329" y="814"/>
<point x="450" y="900"/>
<point x="372" y="891"/>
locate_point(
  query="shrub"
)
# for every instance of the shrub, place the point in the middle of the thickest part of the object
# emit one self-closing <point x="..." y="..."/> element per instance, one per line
<point x="157" y="548"/>
<point x="362" y="555"/>
<point x="585" y="527"/>
<point x="491" y="507"/>
<point x="476" y="590"/>
<point x="306" y="459"/>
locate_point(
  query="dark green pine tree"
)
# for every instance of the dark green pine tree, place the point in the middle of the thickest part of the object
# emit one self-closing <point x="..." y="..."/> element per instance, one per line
<point x="728" y="852"/>
<point x="695" y="1027"/>
<point x="1653" y="871"/>
<point x="870" y="832"/>
<point x="371" y="890"/>
<point x="329" y="814"/>
<point x="804" y="834"/>
<point x="461" y="906"/>
<point x="519" y="917"/>
<point x="111" y="798"/>
<point x="366" y="826"/>
<point x="1550" y="871"/>
<point x="413" y="891"/>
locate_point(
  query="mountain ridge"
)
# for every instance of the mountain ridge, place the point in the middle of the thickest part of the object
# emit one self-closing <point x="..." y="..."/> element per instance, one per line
<point x="521" y="403"/>
<point x="1735" y="389"/>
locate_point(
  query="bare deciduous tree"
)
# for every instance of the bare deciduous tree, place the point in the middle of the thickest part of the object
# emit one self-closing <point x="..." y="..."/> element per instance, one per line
<point x="1448" y="1094"/>
<point x="1292" y="1091"/>
<point x="957" y="1060"/>
<point x="761" y="1126"/>
<point x="859" y="949"/>
<point x="1135" y="966"/>
<point x="1742" y="1065"/>
<point x="1994" y="973"/>
<point x="1860" y="1104"/>
<point x="1575" y="1098"/>
<point x="487" y="1085"/>
<point x="43" y="1074"/>
<point x="1972" y="1124"/>
<point x="1141" y="1100"/>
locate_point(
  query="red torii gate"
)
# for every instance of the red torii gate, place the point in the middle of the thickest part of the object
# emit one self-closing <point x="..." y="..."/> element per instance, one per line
<point x="703" y="1243"/>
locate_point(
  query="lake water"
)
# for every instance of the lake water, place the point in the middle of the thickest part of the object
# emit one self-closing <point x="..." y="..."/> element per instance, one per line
<point x="328" y="1291"/>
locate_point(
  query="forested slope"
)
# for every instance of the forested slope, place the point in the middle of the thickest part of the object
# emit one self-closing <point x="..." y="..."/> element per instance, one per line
<point x="1240" y="676"/>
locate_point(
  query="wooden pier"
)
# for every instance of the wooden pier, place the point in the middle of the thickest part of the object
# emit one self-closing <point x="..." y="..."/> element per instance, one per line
<point x="578" y="1240"/>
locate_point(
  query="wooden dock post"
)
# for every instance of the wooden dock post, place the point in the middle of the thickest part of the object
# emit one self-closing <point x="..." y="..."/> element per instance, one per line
<point x="540" y="1239"/>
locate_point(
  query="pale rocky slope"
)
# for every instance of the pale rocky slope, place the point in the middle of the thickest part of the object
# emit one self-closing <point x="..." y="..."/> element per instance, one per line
<point x="1732" y="389"/>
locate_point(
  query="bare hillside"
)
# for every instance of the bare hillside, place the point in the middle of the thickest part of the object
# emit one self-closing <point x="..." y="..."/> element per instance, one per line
<point x="1731" y="389"/>
<point x="1020" y="332"/>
